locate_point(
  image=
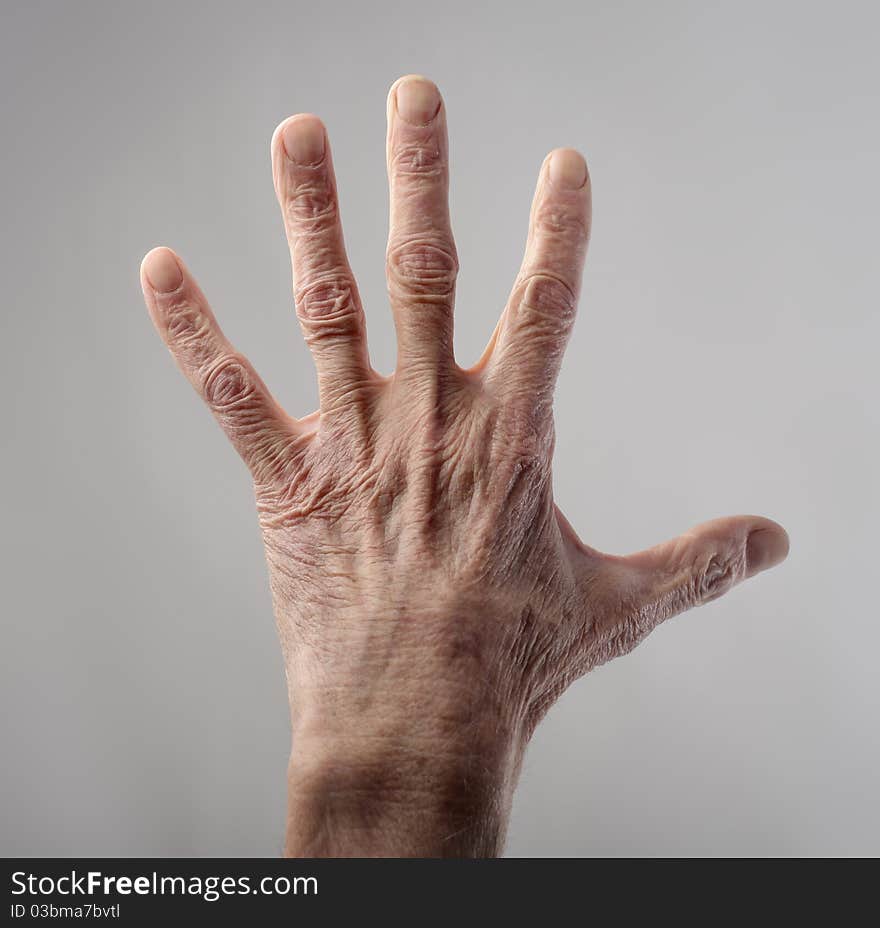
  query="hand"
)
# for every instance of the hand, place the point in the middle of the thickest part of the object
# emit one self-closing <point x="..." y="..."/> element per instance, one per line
<point x="432" y="602"/>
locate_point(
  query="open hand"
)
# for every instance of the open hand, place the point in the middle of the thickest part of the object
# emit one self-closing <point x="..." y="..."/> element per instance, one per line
<point x="431" y="599"/>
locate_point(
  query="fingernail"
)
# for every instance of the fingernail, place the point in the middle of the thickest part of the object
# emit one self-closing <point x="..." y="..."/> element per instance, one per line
<point x="303" y="139"/>
<point x="418" y="100"/>
<point x="765" y="549"/>
<point x="162" y="270"/>
<point x="568" y="170"/>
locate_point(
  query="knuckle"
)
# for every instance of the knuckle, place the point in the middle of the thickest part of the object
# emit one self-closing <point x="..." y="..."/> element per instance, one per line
<point x="548" y="299"/>
<point x="327" y="306"/>
<point x="313" y="202"/>
<point x="715" y="577"/>
<point x="185" y="322"/>
<point x="422" y="266"/>
<point x="418" y="160"/>
<point x="559" y="220"/>
<point x="189" y="332"/>
<point x="525" y="437"/>
<point x="228" y="384"/>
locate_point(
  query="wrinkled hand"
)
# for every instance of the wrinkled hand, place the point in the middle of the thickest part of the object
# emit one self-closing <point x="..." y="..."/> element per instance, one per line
<point x="432" y="601"/>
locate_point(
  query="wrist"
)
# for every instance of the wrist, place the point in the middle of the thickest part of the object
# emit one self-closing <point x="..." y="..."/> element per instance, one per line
<point x="396" y="790"/>
<point x="406" y="744"/>
<point x="399" y="804"/>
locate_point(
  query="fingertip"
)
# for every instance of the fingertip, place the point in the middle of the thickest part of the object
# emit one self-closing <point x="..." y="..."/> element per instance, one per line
<point x="415" y="98"/>
<point x="392" y="90"/>
<point x="567" y="169"/>
<point x="766" y="546"/>
<point x="161" y="270"/>
<point x="301" y="138"/>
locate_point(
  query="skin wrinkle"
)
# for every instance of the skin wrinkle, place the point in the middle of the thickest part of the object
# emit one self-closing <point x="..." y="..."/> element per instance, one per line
<point x="328" y="296"/>
<point x="422" y="271"/>
<point x="311" y="206"/>
<point x="431" y="600"/>
<point x="414" y="164"/>
<point x="227" y="385"/>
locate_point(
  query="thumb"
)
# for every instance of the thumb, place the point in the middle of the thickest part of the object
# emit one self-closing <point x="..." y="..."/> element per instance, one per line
<point x="697" y="566"/>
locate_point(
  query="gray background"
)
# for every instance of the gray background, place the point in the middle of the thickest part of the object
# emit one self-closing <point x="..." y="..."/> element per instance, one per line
<point x="722" y="363"/>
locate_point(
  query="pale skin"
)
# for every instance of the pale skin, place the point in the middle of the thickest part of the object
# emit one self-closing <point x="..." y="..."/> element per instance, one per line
<point x="432" y="601"/>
